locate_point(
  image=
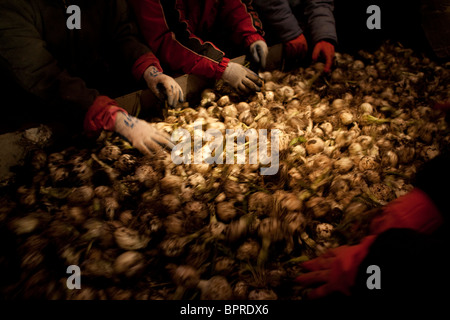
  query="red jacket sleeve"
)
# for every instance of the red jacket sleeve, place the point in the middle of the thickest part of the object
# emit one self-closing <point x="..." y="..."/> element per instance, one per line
<point x="101" y="116"/>
<point x="244" y="20"/>
<point x="170" y="37"/>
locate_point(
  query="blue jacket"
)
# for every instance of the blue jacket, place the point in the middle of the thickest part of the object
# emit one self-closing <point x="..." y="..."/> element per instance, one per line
<point x="281" y="25"/>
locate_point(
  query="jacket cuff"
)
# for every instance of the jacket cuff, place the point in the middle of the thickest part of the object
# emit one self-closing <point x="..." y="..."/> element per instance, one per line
<point x="143" y="62"/>
<point x="101" y="116"/>
<point x="252" y="38"/>
<point x="221" y="68"/>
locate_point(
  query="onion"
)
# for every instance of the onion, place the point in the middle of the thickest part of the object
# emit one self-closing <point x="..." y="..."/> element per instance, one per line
<point x="243" y="106"/>
<point x="248" y="251"/>
<point x="223" y="101"/>
<point x="225" y="211"/>
<point x="174" y="224"/>
<point x="229" y="111"/>
<point x="324" y="231"/>
<point x="171" y="184"/>
<point x="343" y="165"/>
<point x="109" y="153"/>
<point x="338" y="104"/>
<point x="129" y="264"/>
<point x="129" y="239"/>
<point x="262" y="294"/>
<point x="346" y="118"/>
<point x="216" y="288"/>
<point x="260" y="203"/>
<point x="186" y="276"/>
<point x="24" y="225"/>
<point x="224" y="265"/>
<point x="240" y="290"/>
<point x="208" y="94"/>
<point x="314" y="146"/>
<point x="81" y="195"/>
<point x="171" y="203"/>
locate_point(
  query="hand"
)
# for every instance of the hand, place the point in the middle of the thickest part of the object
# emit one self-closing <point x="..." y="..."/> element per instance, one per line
<point x="326" y="50"/>
<point x="335" y="270"/>
<point x="141" y="134"/>
<point x="296" y="48"/>
<point x="259" y="52"/>
<point x="241" y="78"/>
<point x="163" y="86"/>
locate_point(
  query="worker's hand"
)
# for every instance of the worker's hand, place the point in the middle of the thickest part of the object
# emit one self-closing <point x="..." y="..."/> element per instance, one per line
<point x="335" y="270"/>
<point x="163" y="86"/>
<point x="259" y="52"/>
<point x="141" y="134"/>
<point x="296" y="48"/>
<point x="241" y="78"/>
<point x="325" y="50"/>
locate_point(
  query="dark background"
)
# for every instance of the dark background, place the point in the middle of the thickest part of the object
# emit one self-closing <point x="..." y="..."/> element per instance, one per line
<point x="400" y="21"/>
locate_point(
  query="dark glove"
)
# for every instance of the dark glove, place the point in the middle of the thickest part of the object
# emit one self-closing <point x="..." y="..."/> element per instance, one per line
<point x="326" y="50"/>
<point x="296" y="48"/>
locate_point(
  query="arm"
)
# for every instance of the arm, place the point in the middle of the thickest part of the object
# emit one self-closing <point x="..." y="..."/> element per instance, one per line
<point x="23" y="53"/>
<point x="422" y="210"/>
<point x="137" y="55"/>
<point x="278" y="17"/>
<point x="125" y="38"/>
<point x="170" y="37"/>
<point x="320" y="20"/>
<point x="244" y="20"/>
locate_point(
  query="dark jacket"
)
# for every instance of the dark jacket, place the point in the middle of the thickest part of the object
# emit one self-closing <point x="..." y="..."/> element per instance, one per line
<point x="65" y="68"/>
<point x="281" y="23"/>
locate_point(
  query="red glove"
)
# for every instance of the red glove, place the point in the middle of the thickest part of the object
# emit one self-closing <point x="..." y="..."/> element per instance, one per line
<point x="296" y="48"/>
<point x="326" y="50"/>
<point x="337" y="268"/>
<point x="101" y="115"/>
<point x="414" y="210"/>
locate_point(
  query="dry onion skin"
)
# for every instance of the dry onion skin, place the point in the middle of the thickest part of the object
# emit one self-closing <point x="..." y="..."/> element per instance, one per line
<point x="144" y="228"/>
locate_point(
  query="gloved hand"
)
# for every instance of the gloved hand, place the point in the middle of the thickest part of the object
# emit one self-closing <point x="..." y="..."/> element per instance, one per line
<point x="259" y="52"/>
<point x="105" y="114"/>
<point x="241" y="78"/>
<point x="296" y="48"/>
<point x="326" y="50"/>
<point x="163" y="86"/>
<point x="141" y="134"/>
<point x="335" y="270"/>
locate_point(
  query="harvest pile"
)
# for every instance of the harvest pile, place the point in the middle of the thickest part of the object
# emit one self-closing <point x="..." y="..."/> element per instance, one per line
<point x="145" y="228"/>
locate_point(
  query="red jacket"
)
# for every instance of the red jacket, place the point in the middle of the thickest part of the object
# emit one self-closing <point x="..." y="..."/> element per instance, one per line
<point x="172" y="29"/>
